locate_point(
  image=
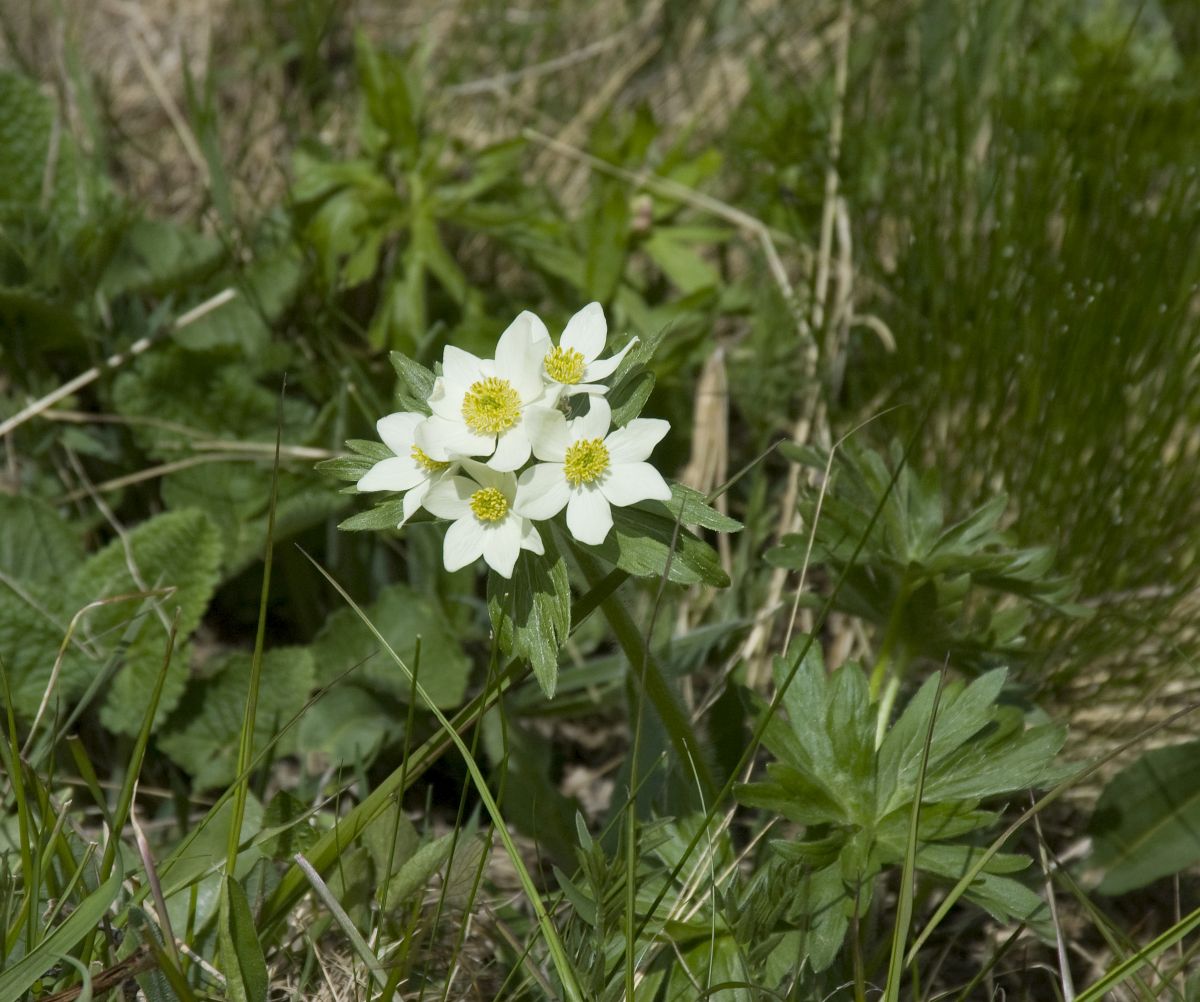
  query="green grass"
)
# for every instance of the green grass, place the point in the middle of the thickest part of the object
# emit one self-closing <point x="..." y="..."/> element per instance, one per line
<point x="942" y="257"/>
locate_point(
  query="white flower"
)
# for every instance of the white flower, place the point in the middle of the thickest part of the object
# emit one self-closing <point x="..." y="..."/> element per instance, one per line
<point x="484" y="522"/>
<point x="479" y="405"/>
<point x="574" y="365"/>
<point x="586" y="469"/>
<point x="411" y="469"/>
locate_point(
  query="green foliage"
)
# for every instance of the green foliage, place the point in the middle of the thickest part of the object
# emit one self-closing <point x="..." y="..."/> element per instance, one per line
<point x="917" y="576"/>
<point x="1144" y="825"/>
<point x="202" y="734"/>
<point x="178" y="551"/>
<point x="854" y="800"/>
<point x="531" y="612"/>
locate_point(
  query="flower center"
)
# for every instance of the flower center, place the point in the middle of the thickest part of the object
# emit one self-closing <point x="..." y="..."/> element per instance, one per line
<point x="491" y="406"/>
<point x="586" y="461"/>
<point x="421" y="458"/>
<point x="489" y="504"/>
<point x="564" y="365"/>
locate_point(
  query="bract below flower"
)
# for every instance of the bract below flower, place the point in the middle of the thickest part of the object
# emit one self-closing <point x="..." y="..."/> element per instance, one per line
<point x="411" y="469"/>
<point x="587" y="470"/>
<point x="480" y="405"/>
<point x="574" y="364"/>
<point x="484" y="522"/>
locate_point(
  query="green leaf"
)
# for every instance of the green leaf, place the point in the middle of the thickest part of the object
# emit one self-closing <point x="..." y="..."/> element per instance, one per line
<point x="241" y="953"/>
<point x="202" y="734"/>
<point x="35" y="543"/>
<point x="85" y="918"/>
<point x="607" y="235"/>
<point x="417" y="870"/>
<point x="178" y="550"/>
<point x="416" y="380"/>
<point x="531" y="611"/>
<point x="629" y="396"/>
<point x="695" y="510"/>
<point x="385" y="515"/>
<point x="156" y="257"/>
<point x="391" y="841"/>
<point x="406" y="617"/>
<point x="346" y="726"/>
<point x="33" y="148"/>
<point x="1146" y="823"/>
<point x="289" y="817"/>
<point x="644" y="543"/>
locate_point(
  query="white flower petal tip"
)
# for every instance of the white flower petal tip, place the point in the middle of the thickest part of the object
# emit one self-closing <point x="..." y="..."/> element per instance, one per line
<point x="483" y="518"/>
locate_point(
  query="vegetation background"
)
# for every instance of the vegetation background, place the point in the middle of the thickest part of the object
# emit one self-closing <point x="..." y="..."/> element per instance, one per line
<point x="945" y="251"/>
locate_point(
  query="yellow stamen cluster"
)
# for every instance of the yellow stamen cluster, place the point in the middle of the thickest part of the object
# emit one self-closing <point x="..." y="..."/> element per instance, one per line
<point x="489" y="504"/>
<point x="586" y="461"/>
<point x="564" y="365"/>
<point x="491" y="406"/>
<point x="421" y="458"/>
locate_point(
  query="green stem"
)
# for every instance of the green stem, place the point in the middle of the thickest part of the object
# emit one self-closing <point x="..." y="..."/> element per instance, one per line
<point x="675" y="721"/>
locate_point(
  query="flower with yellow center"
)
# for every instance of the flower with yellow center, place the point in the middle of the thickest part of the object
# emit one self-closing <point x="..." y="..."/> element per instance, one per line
<point x="411" y="469"/>
<point x="574" y="364"/>
<point x="483" y="520"/>
<point x="480" y="405"/>
<point x="587" y="469"/>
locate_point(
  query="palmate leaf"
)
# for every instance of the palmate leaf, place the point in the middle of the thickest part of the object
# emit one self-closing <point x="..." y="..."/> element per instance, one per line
<point x="859" y="799"/>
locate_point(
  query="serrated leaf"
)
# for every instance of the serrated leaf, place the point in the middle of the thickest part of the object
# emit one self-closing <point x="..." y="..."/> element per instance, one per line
<point x="416" y="871"/>
<point x="180" y="550"/>
<point x="33" y="149"/>
<point x="349" y="468"/>
<point x="202" y="734"/>
<point x="531" y="611"/>
<point x="405" y="617"/>
<point x="346" y="726"/>
<point x="36" y="544"/>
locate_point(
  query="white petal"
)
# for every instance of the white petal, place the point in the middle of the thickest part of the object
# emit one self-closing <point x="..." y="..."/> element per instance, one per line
<point x="531" y="539"/>
<point x="636" y="440"/>
<point x="505" y="483"/>
<point x="629" y="483"/>
<point x="602" y="368"/>
<point x="590" y="388"/>
<point x="547" y="430"/>
<point x="595" y="423"/>
<point x="442" y="439"/>
<point x="512" y="450"/>
<point x="464" y="543"/>
<point x="542" y="491"/>
<point x="588" y="516"/>
<point x="520" y="353"/>
<point x="586" y="332"/>
<point x="396" y="430"/>
<point x="501" y="545"/>
<point x="396" y="474"/>
<point x="446" y="401"/>
<point x="450" y="497"/>
<point x="459" y="368"/>
<point x="413" y="500"/>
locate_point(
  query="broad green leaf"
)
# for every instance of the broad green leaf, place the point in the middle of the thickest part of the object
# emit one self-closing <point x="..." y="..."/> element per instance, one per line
<point x="36" y="544"/>
<point x="241" y="954"/>
<point x="155" y="256"/>
<point x="289" y="817"/>
<point x="531" y="611"/>
<point x="346" y="726"/>
<point x="629" y="396"/>
<point x="202" y="734"/>
<point x="1146" y="824"/>
<point x="415" y="872"/>
<point x="178" y="550"/>
<point x="33" y="149"/>
<point x="406" y="618"/>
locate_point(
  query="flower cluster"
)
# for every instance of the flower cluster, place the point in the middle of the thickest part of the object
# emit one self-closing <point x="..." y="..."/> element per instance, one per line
<point x="469" y="460"/>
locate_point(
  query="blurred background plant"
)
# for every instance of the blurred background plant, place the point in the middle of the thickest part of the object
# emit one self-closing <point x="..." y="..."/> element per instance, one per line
<point x="969" y="227"/>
